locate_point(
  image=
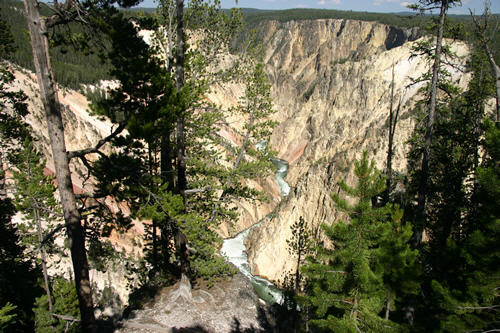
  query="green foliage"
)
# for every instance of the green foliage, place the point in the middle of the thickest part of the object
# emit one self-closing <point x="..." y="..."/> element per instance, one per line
<point x="72" y="67"/>
<point x="469" y="300"/>
<point x="458" y="287"/>
<point x="34" y="195"/>
<point x="205" y="262"/>
<point x="65" y="304"/>
<point x="403" y="20"/>
<point x="349" y="285"/>
<point x="7" y="318"/>
<point x="143" y="173"/>
<point x="18" y="277"/>
<point x="12" y="106"/>
<point x="301" y="242"/>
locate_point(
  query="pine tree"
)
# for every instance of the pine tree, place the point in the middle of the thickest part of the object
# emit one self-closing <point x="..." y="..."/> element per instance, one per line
<point x="7" y="318"/>
<point x="467" y="296"/>
<point x="299" y="245"/>
<point x="64" y="315"/>
<point x="453" y="206"/>
<point x="435" y="84"/>
<point x="151" y="103"/>
<point x="18" y="274"/>
<point x="35" y="199"/>
<point x="484" y="34"/>
<point x="350" y="285"/>
<point x="39" y="27"/>
<point x="18" y="278"/>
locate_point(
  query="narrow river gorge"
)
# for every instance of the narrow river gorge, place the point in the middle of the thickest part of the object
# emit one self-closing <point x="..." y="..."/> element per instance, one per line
<point x="235" y="250"/>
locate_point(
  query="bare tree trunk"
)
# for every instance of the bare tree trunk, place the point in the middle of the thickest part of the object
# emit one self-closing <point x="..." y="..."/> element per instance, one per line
<point x="388" y="305"/>
<point x="495" y="71"/>
<point x="155" y="246"/>
<point x="180" y="237"/>
<point x="75" y="232"/>
<point x="181" y="149"/>
<point x="43" y="256"/>
<point x="424" y="186"/>
<point x="166" y="167"/>
<point x="390" y="144"/>
<point x="354" y="310"/>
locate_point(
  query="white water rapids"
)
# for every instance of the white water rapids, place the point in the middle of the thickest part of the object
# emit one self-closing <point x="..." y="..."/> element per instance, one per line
<point x="235" y="251"/>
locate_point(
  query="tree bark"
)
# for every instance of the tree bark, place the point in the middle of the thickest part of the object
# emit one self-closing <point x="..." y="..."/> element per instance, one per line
<point x="43" y="256"/>
<point x="180" y="62"/>
<point x="392" y="127"/>
<point x="180" y="237"/>
<point x="75" y="232"/>
<point x="388" y="305"/>
<point x="166" y="166"/>
<point x="424" y="179"/>
<point x="495" y="71"/>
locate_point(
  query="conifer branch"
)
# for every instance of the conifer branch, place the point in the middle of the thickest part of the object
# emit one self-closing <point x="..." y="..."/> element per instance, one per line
<point x="492" y="307"/>
<point x="100" y="143"/>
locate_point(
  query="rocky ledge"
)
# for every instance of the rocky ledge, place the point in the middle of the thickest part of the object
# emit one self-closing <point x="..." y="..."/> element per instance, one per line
<point x="228" y="306"/>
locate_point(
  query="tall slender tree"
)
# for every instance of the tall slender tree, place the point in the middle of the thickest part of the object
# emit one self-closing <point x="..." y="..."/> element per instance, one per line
<point x="483" y="32"/>
<point x="393" y="121"/>
<point x="443" y="6"/>
<point x="38" y="26"/>
<point x="18" y="275"/>
<point x="35" y="199"/>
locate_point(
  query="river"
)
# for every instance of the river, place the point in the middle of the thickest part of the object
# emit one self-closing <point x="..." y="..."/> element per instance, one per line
<point x="235" y="251"/>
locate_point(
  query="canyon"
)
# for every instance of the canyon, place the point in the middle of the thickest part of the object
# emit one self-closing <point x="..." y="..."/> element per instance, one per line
<point x="331" y="83"/>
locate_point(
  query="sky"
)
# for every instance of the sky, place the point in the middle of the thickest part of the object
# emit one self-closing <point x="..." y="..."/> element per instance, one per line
<point x="385" y="6"/>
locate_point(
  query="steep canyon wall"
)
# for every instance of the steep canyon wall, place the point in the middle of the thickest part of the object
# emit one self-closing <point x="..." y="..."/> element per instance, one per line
<point x="331" y="84"/>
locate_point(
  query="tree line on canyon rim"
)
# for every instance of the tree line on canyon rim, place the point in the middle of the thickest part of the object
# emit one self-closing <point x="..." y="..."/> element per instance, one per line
<point x="382" y="274"/>
<point x="73" y="68"/>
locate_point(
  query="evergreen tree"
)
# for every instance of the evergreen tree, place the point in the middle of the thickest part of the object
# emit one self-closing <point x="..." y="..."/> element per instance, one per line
<point x="453" y="206"/>
<point x="63" y="316"/>
<point x="466" y="295"/>
<point x="39" y="27"/>
<point x="149" y="103"/>
<point x="18" y="276"/>
<point x="485" y="34"/>
<point x="435" y="84"/>
<point x="299" y="246"/>
<point x="7" y="318"/>
<point x="35" y="199"/>
<point x="350" y="285"/>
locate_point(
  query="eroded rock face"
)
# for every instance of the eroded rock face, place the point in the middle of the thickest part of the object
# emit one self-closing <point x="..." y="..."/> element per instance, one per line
<point x="331" y="85"/>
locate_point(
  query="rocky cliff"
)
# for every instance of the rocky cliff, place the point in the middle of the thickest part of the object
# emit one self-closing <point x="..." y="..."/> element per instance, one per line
<point x="331" y="85"/>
